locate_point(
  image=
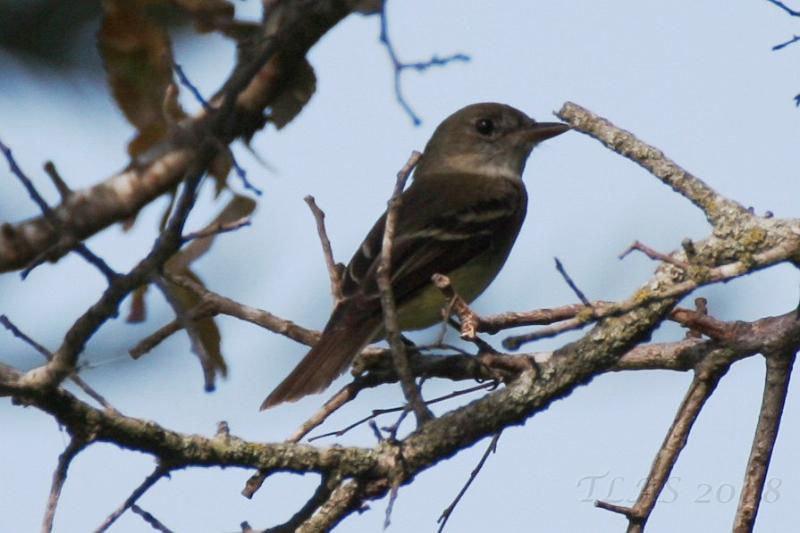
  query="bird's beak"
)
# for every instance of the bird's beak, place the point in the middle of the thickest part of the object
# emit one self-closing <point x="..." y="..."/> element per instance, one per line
<point x="539" y="131"/>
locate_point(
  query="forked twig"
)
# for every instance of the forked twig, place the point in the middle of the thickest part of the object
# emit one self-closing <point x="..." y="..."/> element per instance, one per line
<point x="159" y="472"/>
<point x="75" y="378"/>
<point x="378" y="412"/>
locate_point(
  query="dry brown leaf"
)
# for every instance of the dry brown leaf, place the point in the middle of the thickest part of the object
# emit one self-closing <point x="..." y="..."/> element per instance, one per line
<point x="204" y="334"/>
<point x="294" y="96"/>
<point x="137" y="55"/>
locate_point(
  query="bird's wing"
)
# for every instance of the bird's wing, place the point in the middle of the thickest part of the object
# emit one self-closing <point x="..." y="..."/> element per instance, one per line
<point x="443" y="223"/>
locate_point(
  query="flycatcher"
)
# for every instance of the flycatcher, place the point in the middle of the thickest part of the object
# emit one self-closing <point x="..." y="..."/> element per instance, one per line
<point x="460" y="217"/>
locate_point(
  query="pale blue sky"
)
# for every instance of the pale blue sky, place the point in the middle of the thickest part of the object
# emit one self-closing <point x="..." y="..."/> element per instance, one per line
<point x="697" y="79"/>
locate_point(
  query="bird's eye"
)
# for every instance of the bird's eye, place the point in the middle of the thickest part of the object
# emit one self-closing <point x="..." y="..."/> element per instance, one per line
<point x="484" y="126"/>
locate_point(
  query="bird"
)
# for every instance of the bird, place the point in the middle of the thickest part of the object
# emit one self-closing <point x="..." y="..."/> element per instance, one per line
<point x="459" y="217"/>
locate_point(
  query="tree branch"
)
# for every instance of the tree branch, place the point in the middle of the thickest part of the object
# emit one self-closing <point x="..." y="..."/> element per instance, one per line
<point x="776" y="385"/>
<point x="159" y="472"/>
<point x="75" y="446"/>
<point x="334" y="270"/>
<point x="119" y="197"/>
<point x="410" y="389"/>
<point x="716" y="207"/>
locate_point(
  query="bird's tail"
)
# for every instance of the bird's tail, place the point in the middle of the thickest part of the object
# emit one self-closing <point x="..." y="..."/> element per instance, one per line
<point x="344" y="336"/>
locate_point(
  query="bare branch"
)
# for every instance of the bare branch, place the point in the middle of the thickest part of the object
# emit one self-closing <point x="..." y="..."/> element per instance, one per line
<point x="784" y="7"/>
<point x="224" y="148"/>
<point x="159" y="472"/>
<point x="217" y="304"/>
<point x="334" y="269"/>
<point x="579" y="293"/>
<point x="61" y="186"/>
<point x="80" y="248"/>
<point x="653" y="254"/>
<point x="776" y="385"/>
<point x="787" y="249"/>
<point x="343" y="501"/>
<point x="716" y="207"/>
<point x="378" y="412"/>
<point x="161" y="334"/>
<point x="216" y="229"/>
<point x="707" y="376"/>
<point x="302" y="24"/>
<point x="150" y="519"/>
<point x="410" y="389"/>
<point x="492" y="448"/>
<point x="400" y="66"/>
<point x="780" y="46"/>
<point x="75" y="378"/>
<point x="75" y="446"/>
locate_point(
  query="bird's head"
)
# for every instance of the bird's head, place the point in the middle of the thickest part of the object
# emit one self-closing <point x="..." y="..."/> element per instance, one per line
<point x="489" y="138"/>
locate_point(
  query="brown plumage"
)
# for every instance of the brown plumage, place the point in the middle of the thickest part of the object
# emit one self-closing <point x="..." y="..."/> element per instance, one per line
<point x="460" y="217"/>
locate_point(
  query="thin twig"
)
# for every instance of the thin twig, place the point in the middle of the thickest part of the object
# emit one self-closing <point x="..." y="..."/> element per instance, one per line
<point x="342" y="396"/>
<point x="786" y="8"/>
<point x="219" y="304"/>
<point x="61" y="186"/>
<point x="75" y="378"/>
<point x="75" y="446"/>
<point x="334" y="270"/>
<point x="159" y="472"/>
<point x="384" y="274"/>
<point x="157" y="337"/>
<point x="387" y="518"/>
<point x="80" y="248"/>
<point x="579" y="293"/>
<point x="216" y="229"/>
<point x="400" y="66"/>
<point x="347" y="498"/>
<point x="378" y="412"/>
<point x="218" y="127"/>
<point x="776" y="385"/>
<point x="653" y="254"/>
<point x="757" y="261"/>
<point x="445" y="516"/>
<point x="514" y="342"/>
<point x="240" y="171"/>
<point x="184" y="80"/>
<point x="699" y="322"/>
<point x="150" y="519"/>
<point x="794" y="39"/>
<point x="707" y="376"/>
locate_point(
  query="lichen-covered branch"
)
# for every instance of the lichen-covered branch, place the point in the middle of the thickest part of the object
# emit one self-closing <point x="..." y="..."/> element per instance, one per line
<point x="741" y="243"/>
<point x="716" y="207"/>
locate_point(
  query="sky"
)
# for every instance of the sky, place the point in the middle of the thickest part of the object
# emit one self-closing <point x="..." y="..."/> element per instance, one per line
<point x="697" y="81"/>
